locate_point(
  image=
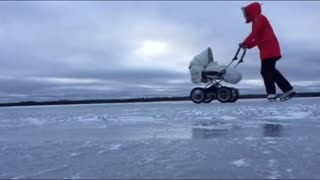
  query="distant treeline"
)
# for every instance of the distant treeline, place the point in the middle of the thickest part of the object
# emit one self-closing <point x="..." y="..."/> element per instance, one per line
<point x="154" y="99"/>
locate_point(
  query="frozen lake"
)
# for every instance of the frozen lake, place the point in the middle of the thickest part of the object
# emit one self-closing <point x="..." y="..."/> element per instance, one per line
<point x="246" y="139"/>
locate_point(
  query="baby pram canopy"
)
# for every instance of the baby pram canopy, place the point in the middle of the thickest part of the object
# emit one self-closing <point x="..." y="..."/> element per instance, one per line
<point x="203" y="67"/>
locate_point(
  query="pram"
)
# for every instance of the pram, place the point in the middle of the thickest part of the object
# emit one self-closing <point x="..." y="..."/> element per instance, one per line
<point x="203" y="69"/>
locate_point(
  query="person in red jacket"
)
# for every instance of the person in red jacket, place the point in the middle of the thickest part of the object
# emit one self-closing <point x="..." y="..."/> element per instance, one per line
<point x="263" y="36"/>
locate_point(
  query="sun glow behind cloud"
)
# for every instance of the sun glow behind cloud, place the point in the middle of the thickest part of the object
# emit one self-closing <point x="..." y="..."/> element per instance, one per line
<point x="160" y="55"/>
<point x="153" y="48"/>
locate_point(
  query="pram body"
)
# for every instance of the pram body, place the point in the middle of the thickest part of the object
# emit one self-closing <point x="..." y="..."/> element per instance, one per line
<point x="204" y="69"/>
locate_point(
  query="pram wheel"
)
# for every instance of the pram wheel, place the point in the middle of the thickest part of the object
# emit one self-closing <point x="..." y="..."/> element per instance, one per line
<point x="224" y="94"/>
<point x="208" y="98"/>
<point x="235" y="95"/>
<point x="198" y="95"/>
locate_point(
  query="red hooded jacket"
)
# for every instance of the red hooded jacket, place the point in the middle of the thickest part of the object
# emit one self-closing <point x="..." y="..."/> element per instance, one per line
<point x="262" y="33"/>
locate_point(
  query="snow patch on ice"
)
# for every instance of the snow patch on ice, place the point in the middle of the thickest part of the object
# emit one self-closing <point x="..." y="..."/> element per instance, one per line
<point x="44" y="171"/>
<point x="271" y="162"/>
<point x="35" y="121"/>
<point x="86" y="144"/>
<point x="197" y="113"/>
<point x="112" y="148"/>
<point x="18" y="177"/>
<point x="4" y="148"/>
<point x="250" y="126"/>
<point x="157" y="116"/>
<point x="204" y="118"/>
<point x="250" y="138"/>
<point x="115" y="147"/>
<point x="77" y="176"/>
<point x="228" y="118"/>
<point x="289" y="170"/>
<point x="240" y="163"/>
<point x="301" y="138"/>
<point x="88" y="119"/>
<point x="290" y="115"/>
<point x="102" y="151"/>
<point x="75" y="154"/>
<point x="133" y="119"/>
<point x="213" y="127"/>
<point x="274" y="175"/>
<point x="266" y="152"/>
<point x="149" y="159"/>
<point x="270" y="142"/>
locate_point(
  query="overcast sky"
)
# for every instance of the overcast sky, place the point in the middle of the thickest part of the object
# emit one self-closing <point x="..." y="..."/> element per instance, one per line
<point x="106" y="49"/>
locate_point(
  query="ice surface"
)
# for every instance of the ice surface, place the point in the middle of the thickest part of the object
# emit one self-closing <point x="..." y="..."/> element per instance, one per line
<point x="248" y="139"/>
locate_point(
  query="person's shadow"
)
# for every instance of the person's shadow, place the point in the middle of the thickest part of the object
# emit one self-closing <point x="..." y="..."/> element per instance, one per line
<point x="273" y="130"/>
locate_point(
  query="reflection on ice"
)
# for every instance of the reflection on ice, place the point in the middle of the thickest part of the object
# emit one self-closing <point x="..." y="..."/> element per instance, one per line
<point x="210" y="129"/>
<point x="200" y="133"/>
<point x="213" y="129"/>
<point x="273" y="130"/>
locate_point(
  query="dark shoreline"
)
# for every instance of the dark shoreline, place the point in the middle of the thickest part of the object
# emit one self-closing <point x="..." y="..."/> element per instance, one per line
<point x="155" y="99"/>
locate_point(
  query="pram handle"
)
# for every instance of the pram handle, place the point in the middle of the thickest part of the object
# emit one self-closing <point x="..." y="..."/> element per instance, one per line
<point x="237" y="53"/>
<point x="243" y="54"/>
<point x="235" y="58"/>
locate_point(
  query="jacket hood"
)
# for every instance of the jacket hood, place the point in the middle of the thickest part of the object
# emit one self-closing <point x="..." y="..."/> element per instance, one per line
<point x="251" y="11"/>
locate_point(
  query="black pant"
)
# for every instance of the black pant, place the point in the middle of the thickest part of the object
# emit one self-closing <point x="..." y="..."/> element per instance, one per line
<point x="271" y="76"/>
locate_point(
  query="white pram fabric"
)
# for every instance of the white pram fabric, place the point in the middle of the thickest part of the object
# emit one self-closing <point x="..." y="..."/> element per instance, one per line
<point x="204" y="62"/>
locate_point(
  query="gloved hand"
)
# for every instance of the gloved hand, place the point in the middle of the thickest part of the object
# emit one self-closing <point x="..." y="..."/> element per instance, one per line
<point x="242" y="45"/>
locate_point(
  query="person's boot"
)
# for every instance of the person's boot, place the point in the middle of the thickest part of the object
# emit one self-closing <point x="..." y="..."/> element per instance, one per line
<point x="272" y="97"/>
<point x="287" y="95"/>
